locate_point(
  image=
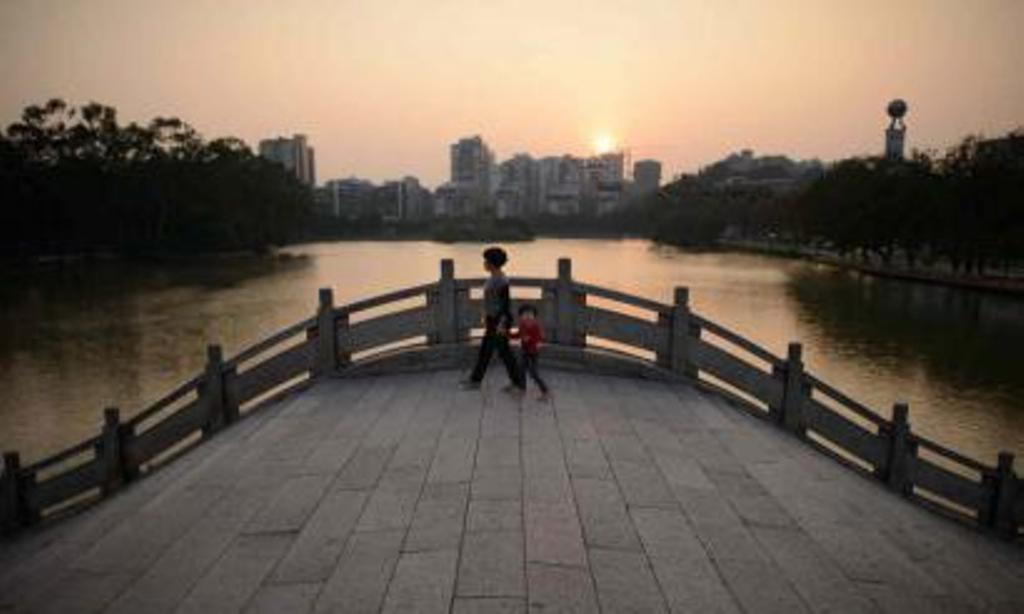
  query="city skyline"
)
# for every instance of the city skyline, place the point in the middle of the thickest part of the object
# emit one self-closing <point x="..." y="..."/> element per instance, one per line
<point x="381" y="90"/>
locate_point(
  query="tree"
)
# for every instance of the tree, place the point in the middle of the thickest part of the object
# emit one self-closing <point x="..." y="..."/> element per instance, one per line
<point x="75" y="180"/>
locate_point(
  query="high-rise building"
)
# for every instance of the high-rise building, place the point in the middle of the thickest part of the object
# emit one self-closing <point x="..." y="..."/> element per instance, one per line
<point x="400" y="200"/>
<point x="311" y="166"/>
<point x="472" y="170"/>
<point x="606" y="168"/>
<point x="351" y="198"/>
<point x="414" y="199"/>
<point x="646" y="176"/>
<point x="388" y="201"/>
<point x="604" y="182"/>
<point x="471" y="163"/>
<point x="560" y="185"/>
<point x="517" y="193"/>
<point x="446" y="201"/>
<point x="294" y="154"/>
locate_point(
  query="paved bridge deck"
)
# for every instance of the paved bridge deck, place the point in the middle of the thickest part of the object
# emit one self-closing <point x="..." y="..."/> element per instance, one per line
<point x="404" y="493"/>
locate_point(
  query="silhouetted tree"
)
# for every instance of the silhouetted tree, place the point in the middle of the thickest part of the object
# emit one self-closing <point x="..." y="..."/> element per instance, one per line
<point x="965" y="208"/>
<point x="75" y="180"/>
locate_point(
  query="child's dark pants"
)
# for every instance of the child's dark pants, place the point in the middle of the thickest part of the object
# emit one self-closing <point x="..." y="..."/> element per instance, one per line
<point x="530" y="366"/>
<point x="491" y="341"/>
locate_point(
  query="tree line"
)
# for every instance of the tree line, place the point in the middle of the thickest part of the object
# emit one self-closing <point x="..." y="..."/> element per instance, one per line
<point x="963" y="209"/>
<point x="74" y="180"/>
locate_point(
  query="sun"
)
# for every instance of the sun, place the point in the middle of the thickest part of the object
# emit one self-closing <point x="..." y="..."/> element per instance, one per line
<point x="604" y="143"/>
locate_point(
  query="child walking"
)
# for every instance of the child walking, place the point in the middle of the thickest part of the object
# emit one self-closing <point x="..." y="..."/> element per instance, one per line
<point x="497" y="320"/>
<point x="530" y="335"/>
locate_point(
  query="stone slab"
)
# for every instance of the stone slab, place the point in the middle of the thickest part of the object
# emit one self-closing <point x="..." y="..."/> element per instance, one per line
<point x="423" y="582"/>
<point x="281" y="598"/>
<point x="233" y="579"/>
<point x="555" y="588"/>
<point x="494" y="515"/>
<point x="317" y="547"/>
<point x="625" y="582"/>
<point x="360" y="579"/>
<point x="491" y="565"/>
<point x="439" y="519"/>
<point x="603" y="515"/>
<point x="553" y="534"/>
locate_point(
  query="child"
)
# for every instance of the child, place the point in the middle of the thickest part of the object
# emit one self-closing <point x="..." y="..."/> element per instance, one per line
<point x="497" y="320"/>
<point x="530" y="335"/>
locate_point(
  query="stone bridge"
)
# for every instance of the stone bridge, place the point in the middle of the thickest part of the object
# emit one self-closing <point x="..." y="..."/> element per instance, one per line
<point x="338" y="466"/>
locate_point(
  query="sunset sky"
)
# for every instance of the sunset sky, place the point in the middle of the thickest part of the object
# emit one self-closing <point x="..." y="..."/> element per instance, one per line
<point x="382" y="87"/>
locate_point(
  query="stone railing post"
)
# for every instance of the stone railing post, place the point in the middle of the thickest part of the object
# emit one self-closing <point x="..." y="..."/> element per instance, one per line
<point x="549" y="309"/>
<point x="794" y="390"/>
<point x="567" y="306"/>
<point x="1007" y="489"/>
<point x="112" y="458"/>
<point x="901" y="450"/>
<point x="228" y="375"/>
<point x="10" y="494"/>
<point x="664" y="357"/>
<point x="129" y="467"/>
<point x="446" y="317"/>
<point x="432" y="338"/>
<point x="327" y="335"/>
<point x="461" y="302"/>
<point x="342" y="345"/>
<point x="679" y="333"/>
<point x="212" y="393"/>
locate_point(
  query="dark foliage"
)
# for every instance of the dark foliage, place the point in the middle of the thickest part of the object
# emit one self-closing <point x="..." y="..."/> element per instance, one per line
<point x="72" y="180"/>
<point x="964" y="209"/>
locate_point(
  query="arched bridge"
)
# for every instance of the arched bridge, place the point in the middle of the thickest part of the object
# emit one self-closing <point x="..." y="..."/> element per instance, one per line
<point x="337" y="466"/>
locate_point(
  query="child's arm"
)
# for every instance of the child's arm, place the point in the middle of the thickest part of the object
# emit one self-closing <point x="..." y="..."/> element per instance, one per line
<point x="514" y="334"/>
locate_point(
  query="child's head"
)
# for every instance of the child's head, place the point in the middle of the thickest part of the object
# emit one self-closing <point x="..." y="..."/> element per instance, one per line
<point x="494" y="259"/>
<point x="527" y="312"/>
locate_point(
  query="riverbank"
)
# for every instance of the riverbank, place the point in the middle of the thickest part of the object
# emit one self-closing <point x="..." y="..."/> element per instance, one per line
<point x="989" y="283"/>
<point x="58" y="261"/>
<point x="441" y="230"/>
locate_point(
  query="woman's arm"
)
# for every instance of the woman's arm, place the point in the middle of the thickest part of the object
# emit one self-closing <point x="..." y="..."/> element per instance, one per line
<point x="504" y="307"/>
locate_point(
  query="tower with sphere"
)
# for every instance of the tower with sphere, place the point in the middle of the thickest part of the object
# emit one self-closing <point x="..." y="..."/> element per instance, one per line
<point x="896" y="131"/>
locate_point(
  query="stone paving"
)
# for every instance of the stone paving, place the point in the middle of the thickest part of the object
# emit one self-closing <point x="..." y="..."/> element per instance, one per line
<point x="404" y="493"/>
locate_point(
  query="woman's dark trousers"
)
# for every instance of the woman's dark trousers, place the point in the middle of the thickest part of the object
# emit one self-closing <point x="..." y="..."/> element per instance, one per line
<point x="491" y="341"/>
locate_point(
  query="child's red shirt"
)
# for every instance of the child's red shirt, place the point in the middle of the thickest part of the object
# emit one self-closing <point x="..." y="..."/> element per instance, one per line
<point x="530" y="334"/>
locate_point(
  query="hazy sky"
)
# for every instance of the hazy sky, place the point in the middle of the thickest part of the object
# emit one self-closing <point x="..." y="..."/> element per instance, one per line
<point x="382" y="87"/>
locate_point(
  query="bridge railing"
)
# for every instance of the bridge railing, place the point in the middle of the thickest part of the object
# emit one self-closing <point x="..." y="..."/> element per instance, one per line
<point x="580" y="320"/>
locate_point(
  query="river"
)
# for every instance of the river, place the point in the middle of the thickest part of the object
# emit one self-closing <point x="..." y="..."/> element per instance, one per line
<point x="78" y="338"/>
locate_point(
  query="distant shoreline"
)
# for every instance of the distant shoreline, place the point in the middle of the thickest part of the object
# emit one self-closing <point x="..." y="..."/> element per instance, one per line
<point x="988" y="283"/>
<point x="46" y="261"/>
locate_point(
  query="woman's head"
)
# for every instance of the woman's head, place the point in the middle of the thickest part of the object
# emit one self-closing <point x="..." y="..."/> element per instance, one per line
<point x="494" y="259"/>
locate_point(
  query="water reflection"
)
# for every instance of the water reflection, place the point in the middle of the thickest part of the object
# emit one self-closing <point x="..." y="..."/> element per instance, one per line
<point x="76" y="338"/>
<point x="960" y="338"/>
<point x="953" y="354"/>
